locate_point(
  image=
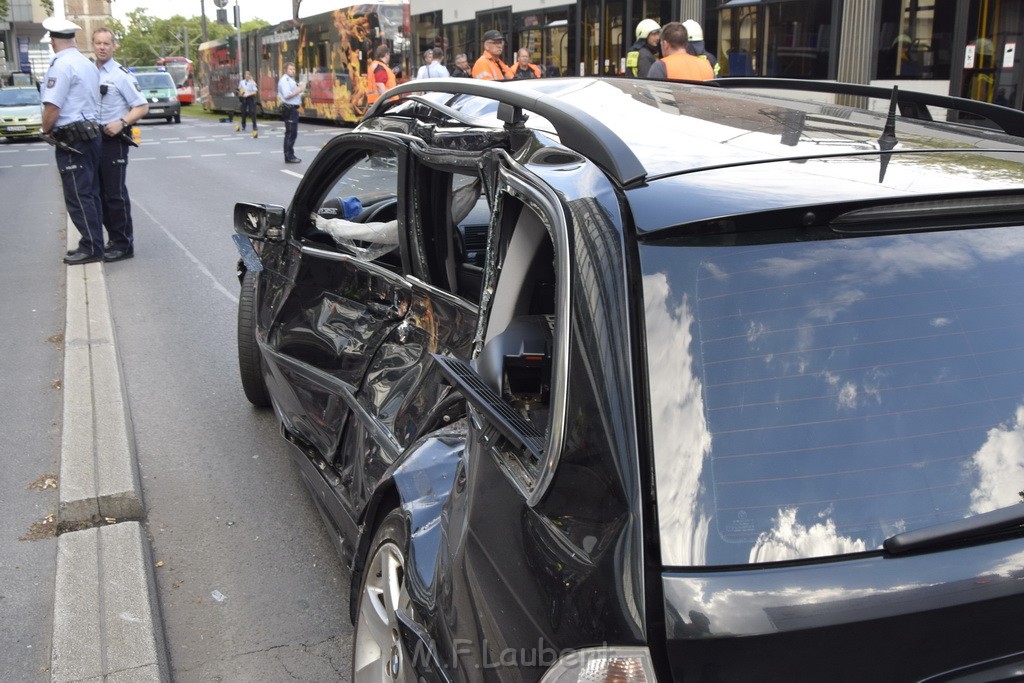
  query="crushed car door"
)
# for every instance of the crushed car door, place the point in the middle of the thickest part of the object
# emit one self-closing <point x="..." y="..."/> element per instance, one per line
<point x="347" y="290"/>
<point x="403" y="395"/>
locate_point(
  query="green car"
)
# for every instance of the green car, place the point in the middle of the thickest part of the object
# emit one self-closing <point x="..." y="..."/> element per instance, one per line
<point x="160" y="92"/>
<point x="21" y="113"/>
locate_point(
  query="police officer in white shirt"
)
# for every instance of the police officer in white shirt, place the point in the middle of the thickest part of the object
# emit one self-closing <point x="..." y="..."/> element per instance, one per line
<point x="247" y="92"/>
<point x="290" y="94"/>
<point x="121" y="106"/>
<point x="70" y="105"/>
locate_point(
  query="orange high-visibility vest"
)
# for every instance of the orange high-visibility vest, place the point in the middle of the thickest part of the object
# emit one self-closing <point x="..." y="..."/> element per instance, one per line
<point x="371" y="83"/>
<point x="685" y="67"/>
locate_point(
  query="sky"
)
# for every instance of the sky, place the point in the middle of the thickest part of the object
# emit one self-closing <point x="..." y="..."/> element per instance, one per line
<point x="271" y="11"/>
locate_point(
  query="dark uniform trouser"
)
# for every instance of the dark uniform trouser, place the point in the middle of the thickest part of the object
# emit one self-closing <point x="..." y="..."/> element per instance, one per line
<point x="117" y="208"/>
<point x="249" y="107"/>
<point x="80" y="179"/>
<point x="290" y="116"/>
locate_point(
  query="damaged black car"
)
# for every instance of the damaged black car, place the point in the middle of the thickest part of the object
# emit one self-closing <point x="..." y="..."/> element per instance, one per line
<point x="622" y="380"/>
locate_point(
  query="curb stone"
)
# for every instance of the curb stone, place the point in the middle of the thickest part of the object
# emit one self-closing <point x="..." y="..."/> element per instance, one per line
<point x="106" y="620"/>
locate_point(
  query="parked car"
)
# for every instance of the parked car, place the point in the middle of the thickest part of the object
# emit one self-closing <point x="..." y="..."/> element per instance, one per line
<point x="162" y="95"/>
<point x="21" y="112"/>
<point x="625" y="380"/>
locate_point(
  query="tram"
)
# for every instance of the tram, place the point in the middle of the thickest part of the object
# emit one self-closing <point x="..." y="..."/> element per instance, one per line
<point x="331" y="52"/>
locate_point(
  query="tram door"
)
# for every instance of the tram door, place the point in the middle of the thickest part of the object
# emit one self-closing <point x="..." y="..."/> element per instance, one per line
<point x="992" y="59"/>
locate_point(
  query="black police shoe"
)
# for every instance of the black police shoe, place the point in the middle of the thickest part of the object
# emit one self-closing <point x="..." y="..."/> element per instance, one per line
<point x="293" y="160"/>
<point x="80" y="257"/>
<point x="107" y="247"/>
<point x="118" y="255"/>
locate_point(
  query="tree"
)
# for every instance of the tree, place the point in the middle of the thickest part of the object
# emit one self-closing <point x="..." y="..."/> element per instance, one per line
<point x="145" y="38"/>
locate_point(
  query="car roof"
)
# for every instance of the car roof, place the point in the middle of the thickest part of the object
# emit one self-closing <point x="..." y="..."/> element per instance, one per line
<point x="642" y="130"/>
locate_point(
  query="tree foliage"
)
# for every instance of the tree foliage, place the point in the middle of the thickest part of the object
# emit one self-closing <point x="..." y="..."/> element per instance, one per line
<point x="144" y="38"/>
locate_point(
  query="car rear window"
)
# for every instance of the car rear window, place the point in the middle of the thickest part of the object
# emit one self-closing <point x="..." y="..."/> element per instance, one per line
<point x="811" y="399"/>
<point x="151" y="81"/>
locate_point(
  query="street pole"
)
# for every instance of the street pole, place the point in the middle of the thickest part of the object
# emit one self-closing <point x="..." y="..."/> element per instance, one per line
<point x="202" y="14"/>
<point x="238" y="38"/>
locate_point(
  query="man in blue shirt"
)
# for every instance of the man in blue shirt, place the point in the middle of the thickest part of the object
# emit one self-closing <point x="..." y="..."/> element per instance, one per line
<point x="70" y="107"/>
<point x="290" y="94"/>
<point x="121" y="106"/>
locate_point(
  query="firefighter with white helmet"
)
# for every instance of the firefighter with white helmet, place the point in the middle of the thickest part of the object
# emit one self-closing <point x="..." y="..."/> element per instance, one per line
<point x="645" y="50"/>
<point x="695" y="44"/>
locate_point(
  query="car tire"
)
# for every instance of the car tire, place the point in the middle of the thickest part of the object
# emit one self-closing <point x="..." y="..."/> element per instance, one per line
<point x="177" y="117"/>
<point x="250" y="360"/>
<point x="377" y="653"/>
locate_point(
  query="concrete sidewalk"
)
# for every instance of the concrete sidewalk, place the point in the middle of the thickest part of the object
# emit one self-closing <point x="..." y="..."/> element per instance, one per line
<point x="106" y="621"/>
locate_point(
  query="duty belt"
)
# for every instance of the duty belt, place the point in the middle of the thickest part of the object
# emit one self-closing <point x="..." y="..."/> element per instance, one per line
<point x="79" y="131"/>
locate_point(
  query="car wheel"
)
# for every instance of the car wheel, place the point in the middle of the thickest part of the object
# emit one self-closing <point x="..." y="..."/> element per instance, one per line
<point x="177" y="118"/>
<point x="169" y="119"/>
<point x="250" y="360"/>
<point x="377" y="653"/>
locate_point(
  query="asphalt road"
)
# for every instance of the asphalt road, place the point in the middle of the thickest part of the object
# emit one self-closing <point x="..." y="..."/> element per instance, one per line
<point x="31" y="328"/>
<point x="249" y="585"/>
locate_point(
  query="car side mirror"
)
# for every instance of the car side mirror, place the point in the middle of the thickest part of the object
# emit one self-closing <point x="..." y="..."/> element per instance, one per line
<point x="260" y="221"/>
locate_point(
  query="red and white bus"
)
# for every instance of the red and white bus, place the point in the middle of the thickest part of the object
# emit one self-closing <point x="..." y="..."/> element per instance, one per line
<point x="180" y="69"/>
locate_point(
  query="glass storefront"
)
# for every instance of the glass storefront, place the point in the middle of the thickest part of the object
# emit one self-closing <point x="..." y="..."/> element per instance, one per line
<point x="781" y="39"/>
<point x="461" y="37"/>
<point x="548" y="38"/>
<point x="915" y="39"/>
<point x="992" y="70"/>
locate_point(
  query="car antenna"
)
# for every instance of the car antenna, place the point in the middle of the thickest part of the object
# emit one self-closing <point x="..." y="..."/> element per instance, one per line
<point x="887" y="140"/>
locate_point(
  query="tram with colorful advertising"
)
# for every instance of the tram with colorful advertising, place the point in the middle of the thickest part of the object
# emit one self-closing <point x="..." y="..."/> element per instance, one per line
<point x="331" y="52"/>
<point x="181" y="70"/>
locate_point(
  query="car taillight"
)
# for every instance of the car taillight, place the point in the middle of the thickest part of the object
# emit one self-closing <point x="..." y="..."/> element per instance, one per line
<point x="603" y="665"/>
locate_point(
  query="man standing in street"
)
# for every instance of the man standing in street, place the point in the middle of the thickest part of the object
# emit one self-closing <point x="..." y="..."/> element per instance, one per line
<point x="696" y="46"/>
<point x="121" y="106"/>
<point x="428" y="59"/>
<point x="461" y="68"/>
<point x="645" y="50"/>
<point x="523" y="68"/>
<point x="290" y="94"/>
<point x="70" y="103"/>
<point x="678" y="64"/>
<point x="490" y="67"/>
<point x="379" y="76"/>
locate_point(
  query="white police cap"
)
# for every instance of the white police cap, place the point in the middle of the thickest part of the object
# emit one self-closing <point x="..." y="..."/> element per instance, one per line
<point x="60" y="28"/>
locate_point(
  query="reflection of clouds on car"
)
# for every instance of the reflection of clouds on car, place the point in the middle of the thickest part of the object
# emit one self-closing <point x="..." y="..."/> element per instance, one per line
<point x="999" y="466"/>
<point x="682" y="451"/>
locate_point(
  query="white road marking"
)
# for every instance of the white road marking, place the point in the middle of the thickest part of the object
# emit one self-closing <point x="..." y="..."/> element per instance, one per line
<point x="213" y="155"/>
<point x="242" y="154"/>
<point x="33" y="165"/>
<point x="143" y="158"/>
<point x="177" y="142"/>
<point x="199" y="264"/>
<point x="186" y="156"/>
<point x="297" y="175"/>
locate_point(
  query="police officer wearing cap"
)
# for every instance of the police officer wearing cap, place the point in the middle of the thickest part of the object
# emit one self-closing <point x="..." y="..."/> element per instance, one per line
<point x="121" y="106"/>
<point x="70" y="104"/>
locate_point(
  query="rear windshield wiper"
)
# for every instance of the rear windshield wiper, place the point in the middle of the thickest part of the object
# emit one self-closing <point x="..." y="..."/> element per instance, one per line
<point x="959" y="530"/>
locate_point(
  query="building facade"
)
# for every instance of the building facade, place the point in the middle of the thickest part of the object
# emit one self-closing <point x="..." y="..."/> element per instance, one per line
<point x="960" y="47"/>
<point x="23" y="48"/>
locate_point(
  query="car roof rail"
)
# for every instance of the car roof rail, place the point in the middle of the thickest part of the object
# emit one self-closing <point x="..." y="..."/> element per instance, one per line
<point x="577" y="130"/>
<point x="1011" y="121"/>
